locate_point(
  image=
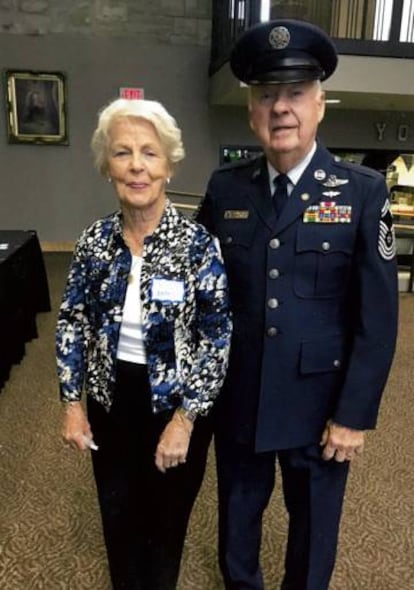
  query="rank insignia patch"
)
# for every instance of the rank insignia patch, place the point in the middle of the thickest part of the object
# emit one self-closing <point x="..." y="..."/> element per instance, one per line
<point x="328" y="212"/>
<point x="236" y="214"/>
<point x="386" y="236"/>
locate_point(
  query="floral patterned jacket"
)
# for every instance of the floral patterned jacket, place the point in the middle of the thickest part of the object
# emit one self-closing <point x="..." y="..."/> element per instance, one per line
<point x="185" y="313"/>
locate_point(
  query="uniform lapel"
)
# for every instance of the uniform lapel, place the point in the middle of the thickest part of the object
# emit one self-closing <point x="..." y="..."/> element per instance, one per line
<point x="259" y="192"/>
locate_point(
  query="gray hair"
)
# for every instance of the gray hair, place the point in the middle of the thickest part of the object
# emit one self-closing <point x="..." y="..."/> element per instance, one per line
<point x="149" y="110"/>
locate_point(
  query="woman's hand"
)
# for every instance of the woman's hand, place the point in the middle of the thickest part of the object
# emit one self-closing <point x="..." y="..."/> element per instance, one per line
<point x="174" y="441"/>
<point x="76" y="429"/>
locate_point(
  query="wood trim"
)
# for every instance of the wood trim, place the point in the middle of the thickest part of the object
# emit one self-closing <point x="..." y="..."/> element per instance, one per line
<point x="57" y="246"/>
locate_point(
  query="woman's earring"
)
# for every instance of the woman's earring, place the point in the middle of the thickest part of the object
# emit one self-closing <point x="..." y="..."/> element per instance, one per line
<point x="168" y="180"/>
<point x="109" y="179"/>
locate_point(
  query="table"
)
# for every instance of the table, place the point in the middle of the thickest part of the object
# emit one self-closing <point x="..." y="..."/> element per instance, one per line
<point x="24" y="292"/>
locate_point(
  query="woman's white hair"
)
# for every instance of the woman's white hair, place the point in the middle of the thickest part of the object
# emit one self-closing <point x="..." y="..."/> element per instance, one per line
<point x="149" y="110"/>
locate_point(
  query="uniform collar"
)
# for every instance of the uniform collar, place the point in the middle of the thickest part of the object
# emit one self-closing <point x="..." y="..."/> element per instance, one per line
<point x="294" y="173"/>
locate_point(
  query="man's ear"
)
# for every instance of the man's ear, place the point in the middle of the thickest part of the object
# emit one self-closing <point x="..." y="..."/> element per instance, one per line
<point x="250" y="121"/>
<point x="322" y="105"/>
<point x="249" y="107"/>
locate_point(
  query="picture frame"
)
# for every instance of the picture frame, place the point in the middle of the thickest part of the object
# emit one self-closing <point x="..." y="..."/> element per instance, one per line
<point x="36" y="107"/>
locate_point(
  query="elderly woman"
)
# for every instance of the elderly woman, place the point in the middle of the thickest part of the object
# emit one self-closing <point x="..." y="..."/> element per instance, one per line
<point x="144" y="328"/>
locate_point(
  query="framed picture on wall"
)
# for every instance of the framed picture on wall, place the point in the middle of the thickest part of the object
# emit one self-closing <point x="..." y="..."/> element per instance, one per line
<point x="36" y="107"/>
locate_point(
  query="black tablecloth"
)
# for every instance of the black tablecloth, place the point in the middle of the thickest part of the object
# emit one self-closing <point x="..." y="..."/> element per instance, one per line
<point x="24" y="292"/>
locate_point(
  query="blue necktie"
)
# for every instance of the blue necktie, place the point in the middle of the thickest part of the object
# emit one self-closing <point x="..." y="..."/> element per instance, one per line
<point x="280" y="194"/>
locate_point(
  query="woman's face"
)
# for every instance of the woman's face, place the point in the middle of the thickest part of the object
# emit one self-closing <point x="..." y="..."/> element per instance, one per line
<point x="137" y="164"/>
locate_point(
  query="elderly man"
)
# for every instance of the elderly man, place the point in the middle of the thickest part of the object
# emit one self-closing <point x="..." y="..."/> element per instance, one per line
<point x="309" y="249"/>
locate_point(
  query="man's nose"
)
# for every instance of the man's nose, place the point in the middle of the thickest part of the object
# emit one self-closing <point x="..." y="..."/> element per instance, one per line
<point x="280" y="104"/>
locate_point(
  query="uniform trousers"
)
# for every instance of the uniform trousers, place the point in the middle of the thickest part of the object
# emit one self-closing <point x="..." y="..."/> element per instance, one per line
<point x="144" y="512"/>
<point x="313" y="491"/>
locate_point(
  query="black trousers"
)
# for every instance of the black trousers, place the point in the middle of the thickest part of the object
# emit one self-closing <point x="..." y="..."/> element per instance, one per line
<point x="313" y="492"/>
<point x="144" y="512"/>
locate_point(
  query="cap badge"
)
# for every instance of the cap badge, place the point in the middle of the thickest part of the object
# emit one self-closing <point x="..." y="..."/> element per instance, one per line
<point x="279" y="37"/>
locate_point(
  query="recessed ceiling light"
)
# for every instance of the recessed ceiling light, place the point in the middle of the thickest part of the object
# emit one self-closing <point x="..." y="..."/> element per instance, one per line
<point x="332" y="100"/>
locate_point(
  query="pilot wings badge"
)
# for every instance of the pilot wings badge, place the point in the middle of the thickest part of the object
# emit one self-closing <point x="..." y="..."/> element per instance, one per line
<point x="332" y="181"/>
<point x="331" y="194"/>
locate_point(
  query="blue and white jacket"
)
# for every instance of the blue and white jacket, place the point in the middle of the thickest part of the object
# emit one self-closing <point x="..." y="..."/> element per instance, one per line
<point x="187" y="341"/>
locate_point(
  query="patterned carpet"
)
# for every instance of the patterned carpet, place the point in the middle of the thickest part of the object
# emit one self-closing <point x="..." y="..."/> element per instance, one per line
<point x="50" y="533"/>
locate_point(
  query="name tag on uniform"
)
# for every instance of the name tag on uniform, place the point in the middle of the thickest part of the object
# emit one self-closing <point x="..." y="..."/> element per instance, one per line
<point x="328" y="212"/>
<point x="236" y="214"/>
<point x="167" y="290"/>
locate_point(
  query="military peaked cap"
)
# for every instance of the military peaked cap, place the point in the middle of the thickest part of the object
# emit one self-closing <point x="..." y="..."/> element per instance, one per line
<point x="283" y="51"/>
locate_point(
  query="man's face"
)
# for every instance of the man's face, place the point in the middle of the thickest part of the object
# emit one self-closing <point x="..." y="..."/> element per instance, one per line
<point x="285" y="118"/>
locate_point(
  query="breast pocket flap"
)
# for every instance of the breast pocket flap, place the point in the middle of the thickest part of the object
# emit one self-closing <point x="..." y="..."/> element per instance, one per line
<point x="324" y="240"/>
<point x="322" y="355"/>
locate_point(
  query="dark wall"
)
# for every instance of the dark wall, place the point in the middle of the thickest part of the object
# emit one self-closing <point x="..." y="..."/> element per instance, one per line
<point x="55" y="189"/>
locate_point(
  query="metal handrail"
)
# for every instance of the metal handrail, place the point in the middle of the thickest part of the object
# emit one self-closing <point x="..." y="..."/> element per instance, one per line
<point x="185" y="206"/>
<point x="185" y="194"/>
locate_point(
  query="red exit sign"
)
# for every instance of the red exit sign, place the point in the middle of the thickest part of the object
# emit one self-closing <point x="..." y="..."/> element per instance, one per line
<point x="131" y="93"/>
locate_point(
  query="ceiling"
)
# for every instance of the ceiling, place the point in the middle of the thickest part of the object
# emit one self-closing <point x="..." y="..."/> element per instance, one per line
<point x="371" y="102"/>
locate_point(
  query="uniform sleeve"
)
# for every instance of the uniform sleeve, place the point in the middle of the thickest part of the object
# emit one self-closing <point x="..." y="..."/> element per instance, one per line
<point x="72" y="330"/>
<point x="205" y="212"/>
<point x="375" y="313"/>
<point x="214" y="326"/>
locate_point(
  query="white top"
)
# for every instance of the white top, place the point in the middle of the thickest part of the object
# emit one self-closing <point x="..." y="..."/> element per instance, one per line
<point x="131" y="343"/>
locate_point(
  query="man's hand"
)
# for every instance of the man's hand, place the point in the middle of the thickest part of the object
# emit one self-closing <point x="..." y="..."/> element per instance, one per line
<point x="174" y="441"/>
<point x="341" y="443"/>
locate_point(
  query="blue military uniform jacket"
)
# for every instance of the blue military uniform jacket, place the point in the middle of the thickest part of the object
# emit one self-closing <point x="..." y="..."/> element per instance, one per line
<point x="314" y="296"/>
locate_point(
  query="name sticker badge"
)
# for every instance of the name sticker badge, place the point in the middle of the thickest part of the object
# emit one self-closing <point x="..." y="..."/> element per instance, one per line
<point x="236" y="214"/>
<point x="328" y="212"/>
<point x="167" y="290"/>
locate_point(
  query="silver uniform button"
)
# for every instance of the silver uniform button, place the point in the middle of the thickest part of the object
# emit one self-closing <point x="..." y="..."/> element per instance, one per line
<point x="229" y="240"/>
<point x="274" y="243"/>
<point x="272" y="331"/>
<point x="272" y="303"/>
<point x="326" y="246"/>
<point x="337" y="363"/>
<point x="274" y="273"/>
